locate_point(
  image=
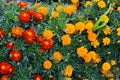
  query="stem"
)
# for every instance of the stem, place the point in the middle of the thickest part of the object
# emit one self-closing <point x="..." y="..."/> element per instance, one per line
<point x="100" y="26"/>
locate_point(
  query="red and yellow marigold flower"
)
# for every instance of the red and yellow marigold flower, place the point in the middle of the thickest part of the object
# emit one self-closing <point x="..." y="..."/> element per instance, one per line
<point x="55" y="14"/>
<point x="38" y="77"/>
<point x="29" y="35"/>
<point x="57" y="56"/>
<point x="38" y="16"/>
<point x="47" y="64"/>
<point x="43" y="10"/>
<point x="80" y="26"/>
<point x="66" y="40"/>
<point x="30" y="12"/>
<point x="106" y="41"/>
<point x="47" y="33"/>
<point x="22" y="4"/>
<point x="106" y="31"/>
<point x="39" y="39"/>
<point x="81" y="51"/>
<point x="15" y="55"/>
<point x="2" y="33"/>
<point x="4" y="77"/>
<point x="10" y="45"/>
<point x="68" y="70"/>
<point x="46" y="44"/>
<point x="101" y="4"/>
<point x="17" y="31"/>
<point x="24" y="17"/>
<point x="69" y="28"/>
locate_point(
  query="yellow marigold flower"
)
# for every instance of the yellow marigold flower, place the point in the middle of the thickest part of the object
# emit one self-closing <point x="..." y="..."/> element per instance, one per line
<point x="69" y="9"/>
<point x="80" y="26"/>
<point x="89" y="25"/>
<point x="106" y="31"/>
<point x="118" y="31"/>
<point x="17" y="31"/>
<point x="55" y="14"/>
<point x="88" y="3"/>
<point x="74" y="1"/>
<point x="57" y="56"/>
<point x="47" y="64"/>
<point x="101" y="4"/>
<point x="59" y="8"/>
<point x="106" y="66"/>
<point x="96" y="0"/>
<point x="95" y="43"/>
<point x="68" y="78"/>
<point x="48" y="34"/>
<point x="118" y="9"/>
<point x="70" y="28"/>
<point x="87" y="57"/>
<point x="43" y="10"/>
<point x="106" y="41"/>
<point x="105" y="19"/>
<point x="66" y="40"/>
<point x="37" y="5"/>
<point x="68" y="70"/>
<point x="111" y="9"/>
<point x="113" y="62"/>
<point x="92" y="36"/>
<point x="81" y="51"/>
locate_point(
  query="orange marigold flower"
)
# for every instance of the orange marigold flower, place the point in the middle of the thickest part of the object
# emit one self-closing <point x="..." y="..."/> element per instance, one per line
<point x="43" y="10"/>
<point x="106" y="31"/>
<point x="24" y="17"/>
<point x="68" y="70"/>
<point x="74" y="1"/>
<point x="55" y="14"/>
<point x="17" y="31"/>
<point x="59" y="8"/>
<point x="57" y="56"/>
<point x="92" y="36"/>
<point x="37" y="5"/>
<point x="95" y="43"/>
<point x="81" y="51"/>
<point x="69" y="9"/>
<point x="4" y="77"/>
<point x="106" y="41"/>
<point x="118" y="31"/>
<point x="105" y="19"/>
<point x="88" y="3"/>
<point x="106" y="66"/>
<point x="101" y="4"/>
<point x="22" y="4"/>
<point x="118" y="9"/>
<point x="70" y="28"/>
<point x="113" y="62"/>
<point x="80" y="26"/>
<point x="87" y="57"/>
<point x="15" y="55"/>
<point x="47" y="33"/>
<point x="66" y="40"/>
<point x="89" y="25"/>
<point x="47" y="64"/>
<point x="2" y="33"/>
<point x="92" y="54"/>
<point x="68" y="78"/>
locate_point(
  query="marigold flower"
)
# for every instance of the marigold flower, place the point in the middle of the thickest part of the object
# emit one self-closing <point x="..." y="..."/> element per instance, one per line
<point x="106" y="31"/>
<point x="70" y="28"/>
<point x="111" y="9"/>
<point x="50" y="76"/>
<point x="22" y="4"/>
<point x="4" y="77"/>
<point x="38" y="16"/>
<point x="68" y="70"/>
<point x="38" y="77"/>
<point x="105" y="19"/>
<point x="55" y="14"/>
<point x="92" y="36"/>
<point x="47" y="64"/>
<point x="66" y="40"/>
<point x="69" y="9"/>
<point x="2" y="33"/>
<point x="81" y="51"/>
<point x="59" y="8"/>
<point x="37" y="5"/>
<point x="96" y="0"/>
<point x="74" y="1"/>
<point x="57" y="56"/>
<point x="101" y="4"/>
<point x="30" y="12"/>
<point x="92" y="54"/>
<point x="24" y="17"/>
<point x="113" y="62"/>
<point x="88" y="3"/>
<point x="106" y="66"/>
<point x="17" y="31"/>
<point x="43" y="10"/>
<point x="46" y="44"/>
<point x="118" y="31"/>
<point x="106" y="41"/>
<point x="118" y="9"/>
<point x="10" y="45"/>
<point x="95" y="43"/>
<point x="68" y="78"/>
<point x="80" y="26"/>
<point x="89" y="25"/>
<point x="87" y="57"/>
<point x="47" y="34"/>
